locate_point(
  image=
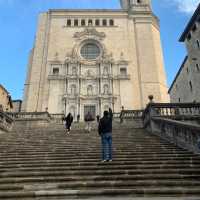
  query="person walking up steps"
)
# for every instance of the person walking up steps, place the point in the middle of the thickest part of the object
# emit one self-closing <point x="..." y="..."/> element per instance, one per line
<point x="68" y="122"/>
<point x="88" y="120"/>
<point x="105" y="131"/>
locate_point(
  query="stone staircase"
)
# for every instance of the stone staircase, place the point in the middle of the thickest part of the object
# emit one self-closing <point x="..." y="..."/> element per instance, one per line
<point x="46" y="163"/>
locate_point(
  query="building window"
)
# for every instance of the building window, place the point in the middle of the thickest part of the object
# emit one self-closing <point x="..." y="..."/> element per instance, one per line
<point x="69" y="22"/>
<point x="179" y="100"/>
<point x="90" y="51"/>
<point x="111" y="22"/>
<point x="198" y="19"/>
<point x="198" y="44"/>
<point x="90" y="23"/>
<point x="123" y="71"/>
<point x="90" y="90"/>
<point x="105" y="89"/>
<point x="191" y="88"/>
<point x="189" y="37"/>
<point x="104" y="22"/>
<point x="187" y="70"/>
<point x="82" y="22"/>
<point x="55" y="71"/>
<point x="197" y="67"/>
<point x="73" y="90"/>
<point x="97" y="22"/>
<point x="194" y="28"/>
<point x="76" y="22"/>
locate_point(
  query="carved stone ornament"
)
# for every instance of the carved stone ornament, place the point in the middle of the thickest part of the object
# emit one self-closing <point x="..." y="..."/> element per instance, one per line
<point x="89" y="31"/>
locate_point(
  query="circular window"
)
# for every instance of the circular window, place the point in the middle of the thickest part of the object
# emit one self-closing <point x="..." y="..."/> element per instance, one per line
<point x="90" y="51"/>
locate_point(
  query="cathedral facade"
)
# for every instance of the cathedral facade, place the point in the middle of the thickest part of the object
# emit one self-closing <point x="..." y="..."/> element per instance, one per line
<point x="91" y="60"/>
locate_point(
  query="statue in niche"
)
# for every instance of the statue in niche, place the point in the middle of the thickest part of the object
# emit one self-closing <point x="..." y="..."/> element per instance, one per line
<point x="73" y="90"/>
<point x="74" y="71"/>
<point x="105" y="89"/>
<point x="90" y="90"/>
<point x="105" y="71"/>
<point x="89" y="73"/>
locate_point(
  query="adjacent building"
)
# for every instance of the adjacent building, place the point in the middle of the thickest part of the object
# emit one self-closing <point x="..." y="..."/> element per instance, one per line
<point x="186" y="85"/>
<point x="5" y="100"/>
<point x="90" y="60"/>
<point x="17" y="105"/>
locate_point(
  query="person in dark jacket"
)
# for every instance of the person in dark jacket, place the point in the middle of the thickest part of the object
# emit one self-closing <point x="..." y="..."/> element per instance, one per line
<point x="110" y="113"/>
<point x="105" y="131"/>
<point x="68" y="122"/>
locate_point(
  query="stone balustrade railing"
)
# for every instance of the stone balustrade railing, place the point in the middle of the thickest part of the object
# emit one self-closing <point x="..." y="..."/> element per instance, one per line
<point x="177" y="111"/>
<point x="30" y="116"/>
<point x="57" y="118"/>
<point x="129" y="114"/>
<point x="162" y="119"/>
<point x="6" y="122"/>
<point x="179" y="133"/>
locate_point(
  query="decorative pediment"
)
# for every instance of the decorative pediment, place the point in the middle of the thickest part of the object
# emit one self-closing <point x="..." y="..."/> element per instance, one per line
<point x="88" y="32"/>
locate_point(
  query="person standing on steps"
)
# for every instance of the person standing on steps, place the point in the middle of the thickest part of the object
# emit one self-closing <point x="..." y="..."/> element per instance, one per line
<point x="68" y="122"/>
<point x="88" y="119"/>
<point x="105" y="131"/>
<point x="122" y="115"/>
<point x="110" y="113"/>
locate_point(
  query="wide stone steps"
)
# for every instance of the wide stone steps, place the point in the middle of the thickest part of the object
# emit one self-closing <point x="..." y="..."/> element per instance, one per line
<point x="49" y="164"/>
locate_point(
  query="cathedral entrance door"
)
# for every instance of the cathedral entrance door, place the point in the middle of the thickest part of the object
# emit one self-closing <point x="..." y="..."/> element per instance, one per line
<point x="91" y="109"/>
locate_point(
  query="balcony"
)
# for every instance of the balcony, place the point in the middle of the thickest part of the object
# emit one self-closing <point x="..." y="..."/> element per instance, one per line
<point x="56" y="77"/>
<point x="122" y="77"/>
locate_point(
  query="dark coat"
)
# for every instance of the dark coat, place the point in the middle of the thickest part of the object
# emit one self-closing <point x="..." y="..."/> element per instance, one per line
<point x="69" y="119"/>
<point x="88" y="117"/>
<point x="105" y="125"/>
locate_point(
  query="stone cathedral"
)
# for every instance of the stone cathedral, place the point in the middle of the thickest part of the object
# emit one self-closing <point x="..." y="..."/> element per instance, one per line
<point x="90" y="60"/>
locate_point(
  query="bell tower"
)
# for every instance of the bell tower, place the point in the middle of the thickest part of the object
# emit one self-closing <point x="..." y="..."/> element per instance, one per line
<point x="135" y="5"/>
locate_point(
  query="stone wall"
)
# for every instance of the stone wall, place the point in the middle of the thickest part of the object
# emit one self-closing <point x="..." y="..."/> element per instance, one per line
<point x="133" y="39"/>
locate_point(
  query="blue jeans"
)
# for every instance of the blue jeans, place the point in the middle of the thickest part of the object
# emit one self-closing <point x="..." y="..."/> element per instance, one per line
<point x="106" y="140"/>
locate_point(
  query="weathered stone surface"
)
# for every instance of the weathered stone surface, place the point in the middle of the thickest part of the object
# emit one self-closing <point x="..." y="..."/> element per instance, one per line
<point x="129" y="68"/>
<point x="46" y="163"/>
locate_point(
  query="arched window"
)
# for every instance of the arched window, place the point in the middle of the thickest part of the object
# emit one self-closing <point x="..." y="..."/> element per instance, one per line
<point x="111" y="22"/>
<point x="90" y="23"/>
<point x="69" y="22"/>
<point x="104" y="22"/>
<point x="73" y="90"/>
<point x="106" y="89"/>
<point x="82" y="22"/>
<point x="90" y="51"/>
<point x="76" y="22"/>
<point x="90" y="90"/>
<point x="97" y="23"/>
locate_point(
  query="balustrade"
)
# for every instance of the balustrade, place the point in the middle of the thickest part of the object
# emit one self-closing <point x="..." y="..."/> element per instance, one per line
<point x="162" y="119"/>
<point x="182" y="134"/>
<point x="30" y="115"/>
<point x="6" y="122"/>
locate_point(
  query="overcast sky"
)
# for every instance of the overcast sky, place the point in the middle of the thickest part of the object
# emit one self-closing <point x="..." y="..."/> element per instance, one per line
<point x="18" y="22"/>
